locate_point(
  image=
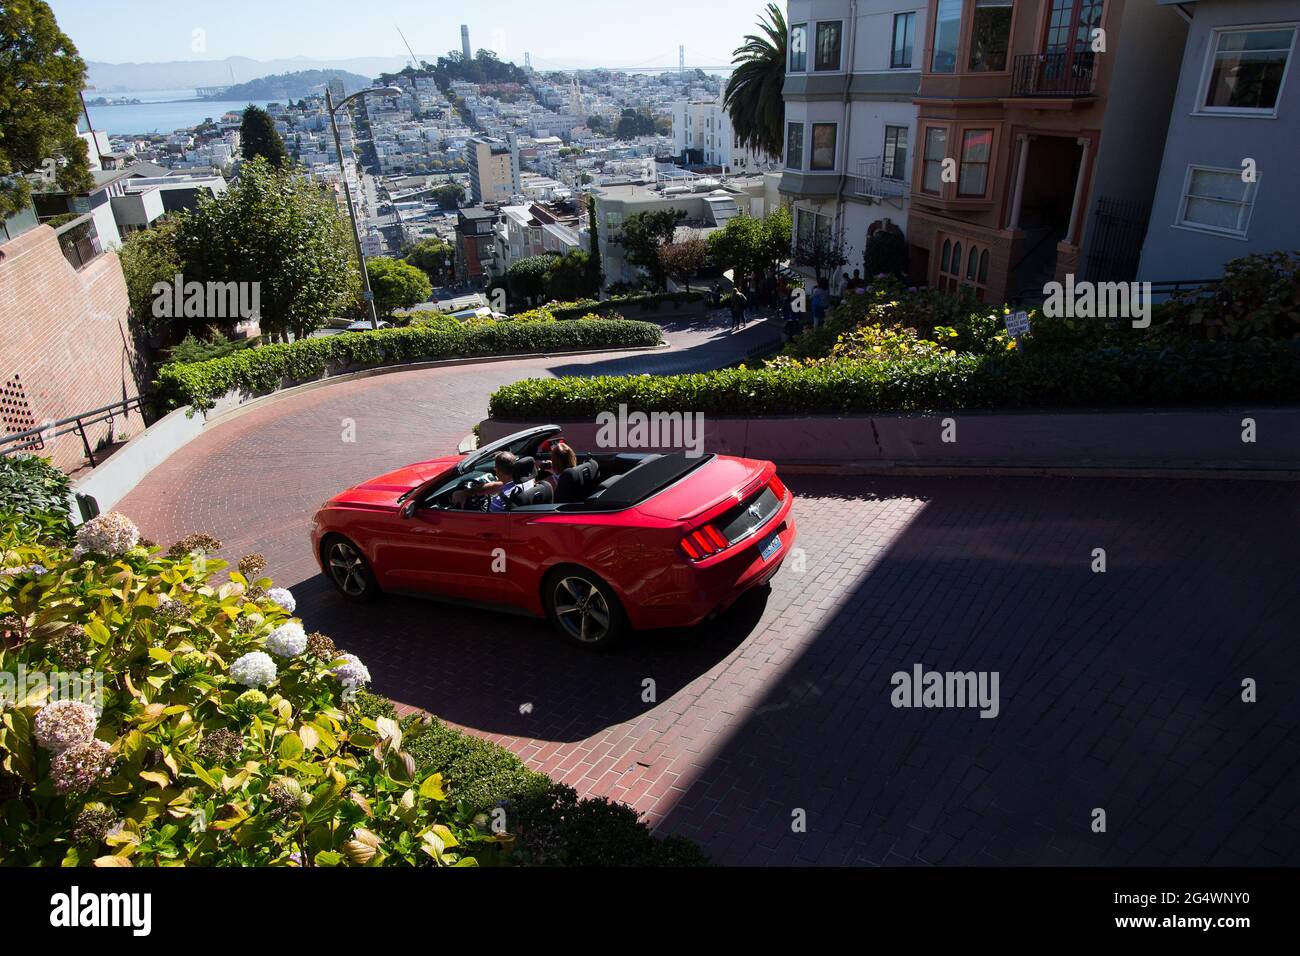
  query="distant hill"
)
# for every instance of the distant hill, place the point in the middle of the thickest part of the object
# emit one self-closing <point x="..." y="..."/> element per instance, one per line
<point x="291" y="86"/>
<point x="109" y="78"/>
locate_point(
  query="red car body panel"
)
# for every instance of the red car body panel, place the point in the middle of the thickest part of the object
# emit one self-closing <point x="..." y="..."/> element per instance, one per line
<point x="637" y="550"/>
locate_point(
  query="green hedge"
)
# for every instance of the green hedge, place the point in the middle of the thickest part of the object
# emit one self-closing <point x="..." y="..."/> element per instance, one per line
<point x="1187" y="373"/>
<point x="272" y="366"/>
<point x="554" y="825"/>
<point x="647" y="302"/>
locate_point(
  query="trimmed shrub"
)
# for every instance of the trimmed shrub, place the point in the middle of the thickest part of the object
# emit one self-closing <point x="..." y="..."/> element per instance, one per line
<point x="272" y="366"/>
<point x="554" y="826"/>
<point x="645" y="302"/>
<point x="33" y="500"/>
<point x="1259" y="296"/>
<point x="1186" y="373"/>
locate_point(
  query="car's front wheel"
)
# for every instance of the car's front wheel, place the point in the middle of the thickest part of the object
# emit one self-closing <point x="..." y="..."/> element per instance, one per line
<point x="584" y="609"/>
<point x="348" y="570"/>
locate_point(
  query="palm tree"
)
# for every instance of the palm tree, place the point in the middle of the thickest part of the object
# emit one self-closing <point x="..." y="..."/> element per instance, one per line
<point x="753" y="98"/>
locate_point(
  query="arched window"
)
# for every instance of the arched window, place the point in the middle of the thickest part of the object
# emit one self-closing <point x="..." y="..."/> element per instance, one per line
<point x="943" y="259"/>
<point x="972" y="261"/>
<point x="984" y="267"/>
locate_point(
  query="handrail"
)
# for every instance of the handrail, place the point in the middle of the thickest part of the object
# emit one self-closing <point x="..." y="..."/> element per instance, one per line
<point x="66" y="426"/>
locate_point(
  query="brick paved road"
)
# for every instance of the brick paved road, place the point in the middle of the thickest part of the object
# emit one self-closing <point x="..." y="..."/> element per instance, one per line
<point x="1118" y="691"/>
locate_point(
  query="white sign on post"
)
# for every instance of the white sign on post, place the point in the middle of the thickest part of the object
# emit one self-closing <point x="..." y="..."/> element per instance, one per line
<point x="1018" y="325"/>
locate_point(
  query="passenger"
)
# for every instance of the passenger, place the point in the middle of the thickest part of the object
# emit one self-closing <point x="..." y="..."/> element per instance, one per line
<point x="562" y="457"/>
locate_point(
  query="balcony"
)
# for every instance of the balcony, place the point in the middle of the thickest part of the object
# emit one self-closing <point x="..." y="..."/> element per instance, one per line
<point x="870" y="181"/>
<point x="79" y="240"/>
<point x="1054" y="75"/>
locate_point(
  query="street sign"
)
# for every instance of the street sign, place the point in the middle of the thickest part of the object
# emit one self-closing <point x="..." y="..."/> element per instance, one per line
<point x="367" y="295"/>
<point x="1018" y="324"/>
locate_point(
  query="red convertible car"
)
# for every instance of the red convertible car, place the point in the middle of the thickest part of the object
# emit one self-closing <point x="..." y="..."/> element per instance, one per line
<point x="629" y="540"/>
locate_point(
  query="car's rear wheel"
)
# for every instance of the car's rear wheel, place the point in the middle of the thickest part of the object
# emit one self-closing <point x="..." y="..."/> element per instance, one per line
<point x="348" y="570"/>
<point x="583" y="608"/>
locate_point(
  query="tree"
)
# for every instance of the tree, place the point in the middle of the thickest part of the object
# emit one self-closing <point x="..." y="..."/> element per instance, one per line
<point x="148" y="257"/>
<point x="41" y="77"/>
<point x="569" y="277"/>
<point x="278" y="229"/>
<point x="258" y="137"/>
<point x="775" y="247"/>
<point x="526" y="280"/>
<point x="396" y="284"/>
<point x="449" y="195"/>
<point x="633" y="123"/>
<point x="737" y="246"/>
<point x="644" y="235"/>
<point x="753" y="97"/>
<point x="682" y="260"/>
<point x="598" y="124"/>
<point x="820" y="251"/>
<point x="596" y="276"/>
<point x="434" y="257"/>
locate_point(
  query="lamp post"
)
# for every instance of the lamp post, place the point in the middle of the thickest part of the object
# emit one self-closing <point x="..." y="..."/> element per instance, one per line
<point x="333" y="108"/>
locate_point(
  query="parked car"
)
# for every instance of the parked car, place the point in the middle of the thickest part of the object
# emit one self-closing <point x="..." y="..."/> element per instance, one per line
<point x="634" y="541"/>
<point x="363" y="325"/>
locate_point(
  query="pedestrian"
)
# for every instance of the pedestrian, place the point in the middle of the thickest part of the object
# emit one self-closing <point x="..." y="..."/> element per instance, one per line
<point x="821" y="299"/>
<point x="738" y="303"/>
<point x="792" y="324"/>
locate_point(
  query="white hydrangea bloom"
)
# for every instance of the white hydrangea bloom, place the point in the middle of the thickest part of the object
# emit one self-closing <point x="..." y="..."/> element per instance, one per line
<point x="352" y="674"/>
<point x="254" y="669"/>
<point x="62" y="724"/>
<point x="287" y="640"/>
<point x="111" y="535"/>
<point x="283" y="597"/>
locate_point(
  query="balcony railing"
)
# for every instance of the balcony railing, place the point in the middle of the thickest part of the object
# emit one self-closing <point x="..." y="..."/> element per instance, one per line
<point x="79" y="241"/>
<point x="1054" y="74"/>
<point x="872" y="181"/>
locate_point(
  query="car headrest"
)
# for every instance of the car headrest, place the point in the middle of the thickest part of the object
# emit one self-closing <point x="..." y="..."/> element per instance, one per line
<point x="540" y="494"/>
<point x="525" y="468"/>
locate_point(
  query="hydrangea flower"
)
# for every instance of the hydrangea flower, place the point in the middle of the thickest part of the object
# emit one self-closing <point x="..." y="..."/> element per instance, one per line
<point x="287" y="640"/>
<point x="221" y="746"/>
<point x="63" y="724"/>
<point x="79" y="768"/>
<point x="352" y="674"/>
<point x="251" y="566"/>
<point x="254" y="669"/>
<point x="283" y="597"/>
<point x="250" y="702"/>
<point x="111" y="535"/>
<point x="171" y="611"/>
<point x="196" y="543"/>
<point x="321" y="646"/>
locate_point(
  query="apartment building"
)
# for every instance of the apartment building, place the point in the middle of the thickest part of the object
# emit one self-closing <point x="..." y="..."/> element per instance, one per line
<point x="475" y="243"/>
<point x="1040" y="128"/>
<point x="708" y="204"/>
<point x="702" y="135"/>
<point x="493" y="169"/>
<point x="853" y="72"/>
<point x="1227" y="184"/>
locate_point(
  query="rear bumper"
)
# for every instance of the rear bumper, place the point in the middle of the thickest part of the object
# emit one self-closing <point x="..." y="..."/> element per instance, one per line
<point x="717" y="585"/>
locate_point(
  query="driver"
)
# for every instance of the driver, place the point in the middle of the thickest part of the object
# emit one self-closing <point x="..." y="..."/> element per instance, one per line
<point x="497" y="492"/>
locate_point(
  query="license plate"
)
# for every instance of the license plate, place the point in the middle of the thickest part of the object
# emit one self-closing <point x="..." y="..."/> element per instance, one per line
<point x="770" y="547"/>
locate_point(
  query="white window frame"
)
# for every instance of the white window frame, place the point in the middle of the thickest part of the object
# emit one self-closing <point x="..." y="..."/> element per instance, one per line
<point x="789" y="63"/>
<point x="1252" y="191"/>
<point x="810" y="147"/>
<point x="1207" y="70"/>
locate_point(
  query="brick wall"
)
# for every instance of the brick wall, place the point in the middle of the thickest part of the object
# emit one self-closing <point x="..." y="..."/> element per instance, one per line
<point x="65" y="344"/>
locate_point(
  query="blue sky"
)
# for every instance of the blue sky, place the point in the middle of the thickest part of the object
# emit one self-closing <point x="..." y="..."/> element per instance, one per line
<point x="560" y="33"/>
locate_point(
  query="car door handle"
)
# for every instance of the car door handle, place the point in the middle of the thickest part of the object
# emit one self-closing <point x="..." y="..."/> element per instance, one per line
<point x="490" y="536"/>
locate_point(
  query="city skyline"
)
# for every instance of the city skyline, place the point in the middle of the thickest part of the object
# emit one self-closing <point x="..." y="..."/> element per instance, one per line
<point x="190" y="31"/>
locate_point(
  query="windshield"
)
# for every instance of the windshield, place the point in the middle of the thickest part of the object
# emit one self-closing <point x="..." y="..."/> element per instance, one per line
<point x="515" y="443"/>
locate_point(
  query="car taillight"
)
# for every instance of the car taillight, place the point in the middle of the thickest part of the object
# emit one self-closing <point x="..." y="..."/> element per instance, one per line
<point x="778" y="488"/>
<point x="703" y="542"/>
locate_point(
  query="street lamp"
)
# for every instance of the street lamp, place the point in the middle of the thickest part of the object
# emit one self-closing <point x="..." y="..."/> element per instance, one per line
<point x="333" y="107"/>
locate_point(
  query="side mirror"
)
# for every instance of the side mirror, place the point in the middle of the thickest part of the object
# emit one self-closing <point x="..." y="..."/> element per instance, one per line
<point x="408" y="510"/>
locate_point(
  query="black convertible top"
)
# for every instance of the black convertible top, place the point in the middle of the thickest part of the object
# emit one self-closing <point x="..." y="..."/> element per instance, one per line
<point x="648" y="478"/>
